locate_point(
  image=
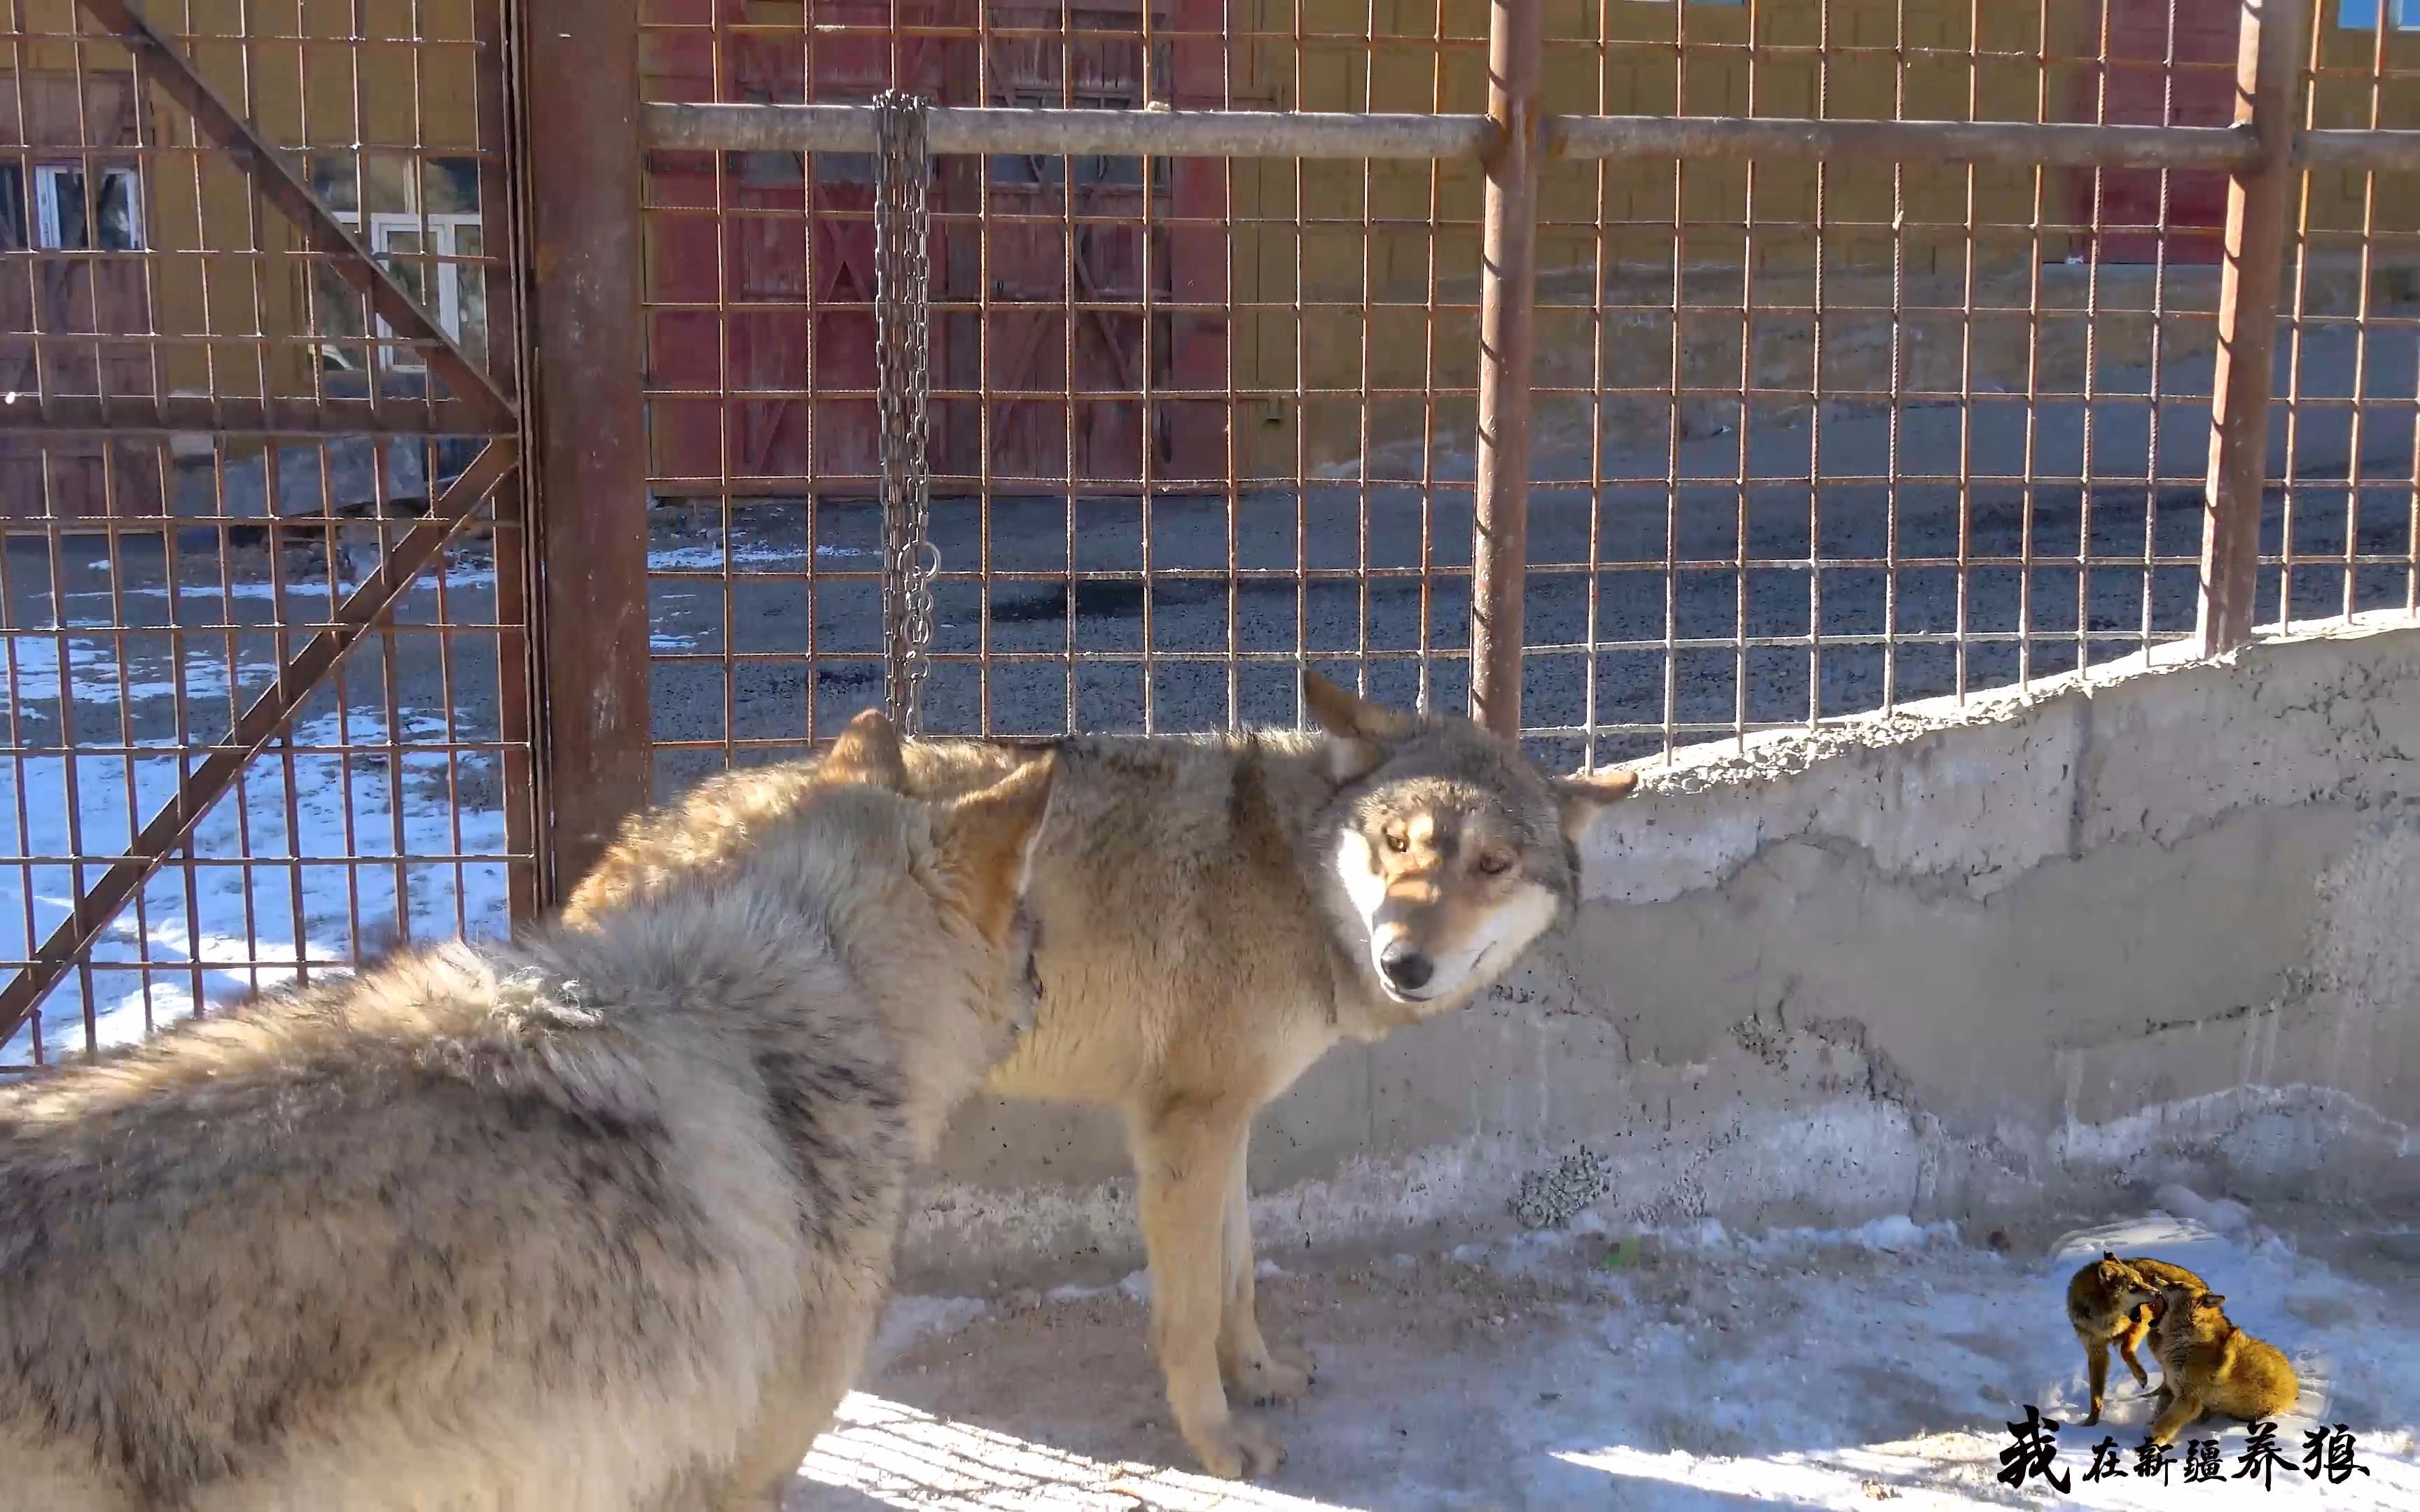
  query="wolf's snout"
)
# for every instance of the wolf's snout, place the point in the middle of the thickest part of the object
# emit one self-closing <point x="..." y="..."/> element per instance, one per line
<point x="1404" y="965"/>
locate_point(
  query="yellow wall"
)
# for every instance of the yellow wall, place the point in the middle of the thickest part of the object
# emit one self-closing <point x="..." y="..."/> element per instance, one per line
<point x="1383" y="233"/>
<point x="1620" y="218"/>
<point x="225" y="270"/>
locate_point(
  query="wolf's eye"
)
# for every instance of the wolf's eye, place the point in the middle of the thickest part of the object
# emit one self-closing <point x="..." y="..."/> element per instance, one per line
<point x="1495" y="863"/>
<point x="1398" y="842"/>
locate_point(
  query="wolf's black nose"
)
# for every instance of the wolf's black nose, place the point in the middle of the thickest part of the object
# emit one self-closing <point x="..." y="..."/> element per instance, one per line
<point x="1404" y="965"/>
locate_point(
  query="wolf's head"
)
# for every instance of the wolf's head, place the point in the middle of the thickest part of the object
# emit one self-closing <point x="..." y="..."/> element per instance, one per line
<point x="973" y="854"/>
<point x="1450" y="851"/>
<point x="2125" y="1287"/>
<point x="2190" y="1315"/>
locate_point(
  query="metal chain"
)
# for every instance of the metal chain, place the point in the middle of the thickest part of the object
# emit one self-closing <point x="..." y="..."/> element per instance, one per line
<point x="902" y="264"/>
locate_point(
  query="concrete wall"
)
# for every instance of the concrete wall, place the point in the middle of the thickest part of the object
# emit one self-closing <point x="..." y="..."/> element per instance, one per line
<point x="1972" y="964"/>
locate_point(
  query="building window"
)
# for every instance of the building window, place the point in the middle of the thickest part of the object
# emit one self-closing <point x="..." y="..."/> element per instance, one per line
<point x="2362" y="15"/>
<point x="433" y="251"/>
<point x="68" y="217"/>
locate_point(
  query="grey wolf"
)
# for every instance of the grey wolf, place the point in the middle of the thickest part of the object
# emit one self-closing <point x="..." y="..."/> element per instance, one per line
<point x="2116" y="1302"/>
<point x="2208" y="1364"/>
<point x="1215" y="912"/>
<point x="595" y="1221"/>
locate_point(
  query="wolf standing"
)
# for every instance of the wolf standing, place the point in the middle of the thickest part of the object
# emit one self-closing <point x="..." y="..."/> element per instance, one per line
<point x="1215" y="913"/>
<point x="594" y="1222"/>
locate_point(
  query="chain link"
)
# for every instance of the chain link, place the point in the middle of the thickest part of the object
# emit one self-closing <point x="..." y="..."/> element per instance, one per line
<point x="902" y="268"/>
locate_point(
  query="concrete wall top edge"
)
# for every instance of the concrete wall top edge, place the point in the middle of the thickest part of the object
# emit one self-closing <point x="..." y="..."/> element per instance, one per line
<point x="2011" y="778"/>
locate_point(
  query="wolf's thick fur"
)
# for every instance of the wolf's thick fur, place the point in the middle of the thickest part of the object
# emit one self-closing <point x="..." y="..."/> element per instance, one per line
<point x="599" y="1220"/>
<point x="2208" y="1366"/>
<point x="2116" y="1302"/>
<point x="1215" y="913"/>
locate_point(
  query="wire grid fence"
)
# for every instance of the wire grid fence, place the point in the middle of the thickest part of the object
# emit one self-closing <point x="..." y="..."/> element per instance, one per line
<point x="1808" y="441"/>
<point x="215" y="446"/>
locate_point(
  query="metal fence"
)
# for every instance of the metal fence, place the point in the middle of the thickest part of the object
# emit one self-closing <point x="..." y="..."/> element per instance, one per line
<point x="1640" y="357"/>
<point x="1634" y="372"/>
<point x="267" y="674"/>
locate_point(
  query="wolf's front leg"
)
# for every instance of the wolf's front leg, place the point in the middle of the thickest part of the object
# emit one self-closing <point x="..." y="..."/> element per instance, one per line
<point x="2181" y="1413"/>
<point x="1252" y="1372"/>
<point x="1184" y="1153"/>
<point x="2096" y="1361"/>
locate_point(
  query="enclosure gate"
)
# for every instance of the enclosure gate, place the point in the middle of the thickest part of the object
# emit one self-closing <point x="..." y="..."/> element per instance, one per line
<point x="213" y="340"/>
<point x="665" y="224"/>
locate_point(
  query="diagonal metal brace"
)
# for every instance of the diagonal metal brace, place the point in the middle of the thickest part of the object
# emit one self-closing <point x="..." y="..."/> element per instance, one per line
<point x="218" y="120"/>
<point x="259" y="724"/>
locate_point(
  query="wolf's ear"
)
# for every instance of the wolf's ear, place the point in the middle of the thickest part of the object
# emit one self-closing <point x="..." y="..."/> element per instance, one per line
<point x="986" y="843"/>
<point x="1583" y="798"/>
<point x="1358" y="728"/>
<point x="868" y="752"/>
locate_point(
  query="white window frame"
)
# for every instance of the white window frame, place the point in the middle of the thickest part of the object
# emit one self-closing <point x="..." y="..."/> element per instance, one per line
<point x="48" y="227"/>
<point x="441" y="237"/>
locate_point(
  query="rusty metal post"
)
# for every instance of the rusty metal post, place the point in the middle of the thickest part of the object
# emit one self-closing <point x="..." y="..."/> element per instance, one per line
<point x="1508" y="294"/>
<point x="581" y="159"/>
<point x="2258" y="197"/>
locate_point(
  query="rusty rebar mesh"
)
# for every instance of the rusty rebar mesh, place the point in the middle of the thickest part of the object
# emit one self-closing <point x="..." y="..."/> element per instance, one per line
<point x="1138" y="425"/>
<point x="2342" y="539"/>
<point x="1806" y="442"/>
<point x="253" y="445"/>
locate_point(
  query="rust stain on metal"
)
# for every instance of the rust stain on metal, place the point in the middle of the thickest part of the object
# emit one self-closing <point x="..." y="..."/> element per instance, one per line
<point x="2259" y="201"/>
<point x="588" y="360"/>
<point x="1508" y="291"/>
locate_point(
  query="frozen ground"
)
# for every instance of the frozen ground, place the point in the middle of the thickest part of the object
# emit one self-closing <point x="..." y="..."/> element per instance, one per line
<point x="1694" y="1371"/>
<point x="325" y="814"/>
<point x="327" y="825"/>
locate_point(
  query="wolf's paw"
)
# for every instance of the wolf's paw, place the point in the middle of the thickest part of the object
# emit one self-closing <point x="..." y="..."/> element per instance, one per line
<point x="1235" y="1450"/>
<point x="1279" y="1376"/>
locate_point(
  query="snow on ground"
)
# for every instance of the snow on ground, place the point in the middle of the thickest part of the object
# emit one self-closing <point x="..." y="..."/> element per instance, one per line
<point x="326" y="889"/>
<point x="318" y="825"/>
<point x="1662" y="1372"/>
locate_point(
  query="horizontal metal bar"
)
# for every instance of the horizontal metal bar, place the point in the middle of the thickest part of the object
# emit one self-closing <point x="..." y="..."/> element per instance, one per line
<point x="60" y="414"/>
<point x="1211" y="133"/>
<point x="2360" y="150"/>
<point x="2008" y="142"/>
<point x="1182" y="133"/>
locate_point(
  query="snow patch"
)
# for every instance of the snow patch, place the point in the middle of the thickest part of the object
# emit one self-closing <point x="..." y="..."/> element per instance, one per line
<point x="2223" y="1216"/>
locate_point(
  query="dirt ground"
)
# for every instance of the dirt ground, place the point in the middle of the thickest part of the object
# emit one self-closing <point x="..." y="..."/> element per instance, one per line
<point x="1692" y="1370"/>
